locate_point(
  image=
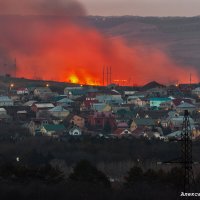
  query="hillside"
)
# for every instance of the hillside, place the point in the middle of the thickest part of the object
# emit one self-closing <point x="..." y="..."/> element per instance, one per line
<point x="178" y="36"/>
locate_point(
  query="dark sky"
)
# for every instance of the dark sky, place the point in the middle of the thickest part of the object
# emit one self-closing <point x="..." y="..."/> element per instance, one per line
<point x="143" y="7"/>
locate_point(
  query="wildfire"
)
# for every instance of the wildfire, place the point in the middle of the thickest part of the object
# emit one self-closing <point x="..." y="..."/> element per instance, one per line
<point x="64" y="50"/>
<point x="83" y="80"/>
<point x="73" y="79"/>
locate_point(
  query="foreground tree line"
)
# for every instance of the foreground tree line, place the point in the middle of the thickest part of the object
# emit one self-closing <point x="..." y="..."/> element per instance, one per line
<point x="18" y="181"/>
<point x="122" y="169"/>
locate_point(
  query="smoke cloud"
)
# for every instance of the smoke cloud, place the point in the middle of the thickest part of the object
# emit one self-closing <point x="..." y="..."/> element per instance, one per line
<point x="51" y="43"/>
<point x="41" y="7"/>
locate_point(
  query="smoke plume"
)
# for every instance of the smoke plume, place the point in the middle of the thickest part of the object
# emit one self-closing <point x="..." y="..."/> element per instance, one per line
<point x="51" y="43"/>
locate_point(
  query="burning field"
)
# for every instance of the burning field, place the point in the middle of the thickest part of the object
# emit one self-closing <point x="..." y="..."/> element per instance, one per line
<point x="51" y="42"/>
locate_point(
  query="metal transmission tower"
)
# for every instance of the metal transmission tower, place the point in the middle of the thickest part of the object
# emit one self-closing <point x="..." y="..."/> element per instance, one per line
<point x="185" y="160"/>
<point x="186" y="153"/>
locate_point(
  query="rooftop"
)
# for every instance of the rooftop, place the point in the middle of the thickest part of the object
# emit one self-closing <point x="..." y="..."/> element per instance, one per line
<point x="44" y="105"/>
<point x="54" y="127"/>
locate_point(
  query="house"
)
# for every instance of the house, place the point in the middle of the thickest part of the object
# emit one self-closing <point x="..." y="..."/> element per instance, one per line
<point x="157" y="115"/>
<point x="138" y="101"/>
<point x="41" y="106"/>
<point x="44" y="93"/>
<point x="4" y="117"/>
<point x="40" y="91"/>
<point x="13" y="111"/>
<point x="176" y="102"/>
<point x="92" y="93"/>
<point x="6" y="101"/>
<point x="174" y="91"/>
<point x="59" y="112"/>
<point x="53" y="129"/>
<point x="113" y="99"/>
<point x="35" y="125"/>
<point x="156" y="101"/>
<point x="22" y="115"/>
<point x="166" y="105"/>
<point x="129" y="92"/>
<point x="177" y="122"/>
<point x="196" y="92"/>
<point x="30" y="103"/>
<point x="15" y="98"/>
<point x="122" y="129"/>
<point x="75" y="131"/>
<point x="152" y="85"/>
<point x="3" y="111"/>
<point x="101" y="107"/>
<point x="157" y="91"/>
<point x="135" y="101"/>
<point x="177" y="134"/>
<point x="22" y="91"/>
<point x="101" y="120"/>
<point x="174" y="135"/>
<point x="123" y="114"/>
<point x="78" y="121"/>
<point x="126" y="107"/>
<point x="185" y="106"/>
<point x="153" y="135"/>
<point x="122" y="132"/>
<point x="139" y="132"/>
<point x="64" y="102"/>
<point x="74" y="92"/>
<point x="142" y="122"/>
<point x="122" y="125"/>
<point x="88" y="103"/>
<point x="139" y="94"/>
<point x="68" y="89"/>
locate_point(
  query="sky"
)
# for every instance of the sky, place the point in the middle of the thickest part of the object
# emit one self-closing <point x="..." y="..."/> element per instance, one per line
<point x="143" y="7"/>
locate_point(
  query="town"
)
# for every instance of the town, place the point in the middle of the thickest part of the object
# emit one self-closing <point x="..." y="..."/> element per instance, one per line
<point x="65" y="110"/>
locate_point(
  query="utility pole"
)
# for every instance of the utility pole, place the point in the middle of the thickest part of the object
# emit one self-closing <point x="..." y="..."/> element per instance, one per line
<point x="107" y="75"/>
<point x="110" y="75"/>
<point x="190" y="81"/>
<point x="15" y="67"/>
<point x="103" y="74"/>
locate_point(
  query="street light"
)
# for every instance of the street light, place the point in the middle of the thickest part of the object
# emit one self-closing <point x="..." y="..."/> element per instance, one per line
<point x="17" y="159"/>
<point x="11" y="86"/>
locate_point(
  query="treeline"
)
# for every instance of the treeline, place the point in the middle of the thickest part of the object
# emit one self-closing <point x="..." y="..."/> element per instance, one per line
<point x="112" y="156"/>
<point x="87" y="182"/>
